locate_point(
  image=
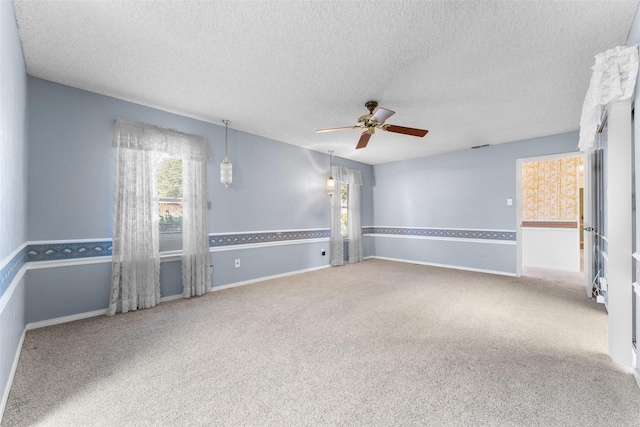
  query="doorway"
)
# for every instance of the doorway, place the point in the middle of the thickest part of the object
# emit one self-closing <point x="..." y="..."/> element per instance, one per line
<point x="550" y="210"/>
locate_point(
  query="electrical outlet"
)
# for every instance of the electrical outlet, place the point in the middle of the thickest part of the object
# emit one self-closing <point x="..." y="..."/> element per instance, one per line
<point x="211" y="270"/>
<point x="237" y="264"/>
<point x="322" y="252"/>
<point x="600" y="299"/>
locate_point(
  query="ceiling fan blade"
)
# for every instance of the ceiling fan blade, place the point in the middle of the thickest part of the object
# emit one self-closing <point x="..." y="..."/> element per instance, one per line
<point x="405" y="131"/>
<point x="334" y="129"/>
<point x="381" y="114"/>
<point x="364" y="140"/>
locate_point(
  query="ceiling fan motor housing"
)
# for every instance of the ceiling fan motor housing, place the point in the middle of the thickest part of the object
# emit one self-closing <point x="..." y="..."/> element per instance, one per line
<point x="371" y="105"/>
<point x="366" y="121"/>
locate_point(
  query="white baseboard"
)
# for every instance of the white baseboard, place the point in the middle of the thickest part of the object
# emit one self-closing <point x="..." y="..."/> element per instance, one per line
<point x="65" y="319"/>
<point x="455" y="267"/>
<point x="261" y="279"/>
<point x="14" y="366"/>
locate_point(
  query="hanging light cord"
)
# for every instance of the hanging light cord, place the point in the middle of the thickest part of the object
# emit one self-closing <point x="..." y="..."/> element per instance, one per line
<point x="226" y="123"/>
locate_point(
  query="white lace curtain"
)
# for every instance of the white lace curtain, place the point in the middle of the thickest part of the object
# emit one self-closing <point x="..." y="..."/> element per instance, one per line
<point x="135" y="272"/>
<point x="614" y="78"/>
<point x="196" y="279"/>
<point x="353" y="179"/>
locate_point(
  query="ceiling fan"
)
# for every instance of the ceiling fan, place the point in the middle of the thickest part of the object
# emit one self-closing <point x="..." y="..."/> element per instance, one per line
<point x="375" y="119"/>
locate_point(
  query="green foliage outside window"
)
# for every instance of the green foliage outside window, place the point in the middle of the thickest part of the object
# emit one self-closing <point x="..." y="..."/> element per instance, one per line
<point x="170" y="194"/>
<point x="170" y="178"/>
<point x="344" y="203"/>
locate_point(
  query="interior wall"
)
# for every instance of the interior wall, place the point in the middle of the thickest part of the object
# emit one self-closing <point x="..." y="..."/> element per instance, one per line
<point x="278" y="191"/>
<point x="13" y="192"/>
<point x="634" y="39"/>
<point x="453" y="209"/>
<point x="13" y="136"/>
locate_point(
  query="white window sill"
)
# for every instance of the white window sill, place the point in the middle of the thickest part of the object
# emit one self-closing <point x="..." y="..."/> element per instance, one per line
<point x="170" y="256"/>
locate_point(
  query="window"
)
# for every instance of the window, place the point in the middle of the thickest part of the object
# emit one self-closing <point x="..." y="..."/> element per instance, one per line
<point x="344" y="204"/>
<point x="170" y="203"/>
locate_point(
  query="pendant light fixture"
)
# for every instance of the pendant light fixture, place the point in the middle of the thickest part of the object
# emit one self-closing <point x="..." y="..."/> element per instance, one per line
<point x="226" y="171"/>
<point x="331" y="183"/>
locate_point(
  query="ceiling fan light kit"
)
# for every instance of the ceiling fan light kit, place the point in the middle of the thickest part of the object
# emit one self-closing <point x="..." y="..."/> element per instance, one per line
<point x="375" y="119"/>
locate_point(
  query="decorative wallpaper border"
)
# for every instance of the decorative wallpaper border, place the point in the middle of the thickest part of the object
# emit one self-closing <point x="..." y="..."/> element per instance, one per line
<point x="59" y="251"/>
<point x="56" y="251"/>
<point x="11" y="269"/>
<point x="265" y="237"/>
<point x="443" y="233"/>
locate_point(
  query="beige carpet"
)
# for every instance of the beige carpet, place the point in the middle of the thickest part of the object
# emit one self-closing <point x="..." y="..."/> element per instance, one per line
<point x="548" y="275"/>
<point x="376" y="343"/>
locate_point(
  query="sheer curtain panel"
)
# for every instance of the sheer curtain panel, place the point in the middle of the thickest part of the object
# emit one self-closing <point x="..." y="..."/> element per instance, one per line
<point x="352" y="178"/>
<point x="196" y="279"/>
<point x="336" y="249"/>
<point x="135" y="269"/>
<point x="135" y="273"/>
<point x="354" y="227"/>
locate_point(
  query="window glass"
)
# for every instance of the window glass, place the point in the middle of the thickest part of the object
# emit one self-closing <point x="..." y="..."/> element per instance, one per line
<point x="344" y="202"/>
<point x="170" y="203"/>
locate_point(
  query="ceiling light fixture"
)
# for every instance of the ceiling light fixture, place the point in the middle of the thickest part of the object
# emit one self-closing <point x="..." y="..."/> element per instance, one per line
<point x="331" y="183"/>
<point x="226" y="168"/>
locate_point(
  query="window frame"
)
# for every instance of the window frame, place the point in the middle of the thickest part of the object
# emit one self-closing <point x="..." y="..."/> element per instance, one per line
<point x="168" y="246"/>
<point x="344" y="210"/>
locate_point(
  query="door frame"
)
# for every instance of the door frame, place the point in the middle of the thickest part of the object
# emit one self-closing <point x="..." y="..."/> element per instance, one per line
<point x="518" y="202"/>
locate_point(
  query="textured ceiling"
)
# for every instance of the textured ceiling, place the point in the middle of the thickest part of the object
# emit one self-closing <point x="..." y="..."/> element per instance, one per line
<point x="472" y="73"/>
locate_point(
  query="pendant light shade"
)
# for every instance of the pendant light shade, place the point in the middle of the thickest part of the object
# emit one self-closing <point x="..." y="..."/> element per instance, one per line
<point x="226" y="168"/>
<point x="331" y="186"/>
<point x="226" y="172"/>
<point x="331" y="183"/>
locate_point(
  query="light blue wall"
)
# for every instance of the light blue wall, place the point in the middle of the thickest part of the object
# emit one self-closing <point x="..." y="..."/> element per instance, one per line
<point x="64" y="291"/>
<point x="13" y="136"/>
<point x="460" y="190"/>
<point x="276" y="186"/>
<point x="12" y="323"/>
<point x="13" y="188"/>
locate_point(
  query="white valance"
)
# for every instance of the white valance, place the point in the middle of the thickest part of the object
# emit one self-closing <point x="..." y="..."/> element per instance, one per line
<point x="344" y="175"/>
<point x="146" y="137"/>
<point x="614" y="78"/>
